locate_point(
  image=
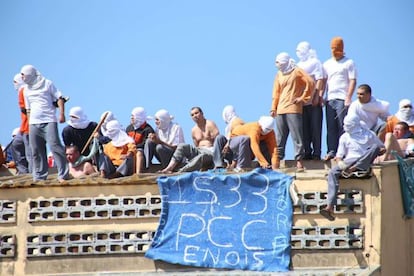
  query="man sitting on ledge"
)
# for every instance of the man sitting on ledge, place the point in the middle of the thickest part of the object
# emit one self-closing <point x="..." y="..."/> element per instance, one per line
<point x="357" y="149"/>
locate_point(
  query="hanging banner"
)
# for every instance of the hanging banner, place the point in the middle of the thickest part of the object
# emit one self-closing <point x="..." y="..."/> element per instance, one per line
<point x="235" y="221"/>
<point x="406" y="170"/>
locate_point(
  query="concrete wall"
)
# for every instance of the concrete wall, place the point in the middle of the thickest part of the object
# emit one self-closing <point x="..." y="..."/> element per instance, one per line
<point x="92" y="225"/>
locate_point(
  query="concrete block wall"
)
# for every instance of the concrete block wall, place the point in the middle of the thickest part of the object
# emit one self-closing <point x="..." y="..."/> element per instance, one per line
<point x="92" y="225"/>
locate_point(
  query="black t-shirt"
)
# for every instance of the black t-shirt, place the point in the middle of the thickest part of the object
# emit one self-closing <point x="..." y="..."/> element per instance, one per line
<point x="78" y="137"/>
<point x="140" y="135"/>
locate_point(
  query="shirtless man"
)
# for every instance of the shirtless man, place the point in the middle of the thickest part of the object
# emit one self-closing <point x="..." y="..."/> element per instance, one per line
<point x="84" y="169"/>
<point x="201" y="154"/>
<point x="400" y="140"/>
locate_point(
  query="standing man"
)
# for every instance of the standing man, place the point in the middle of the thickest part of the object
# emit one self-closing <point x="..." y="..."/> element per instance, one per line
<point x="341" y="77"/>
<point x="40" y="93"/>
<point x="312" y="109"/>
<point x="200" y="155"/>
<point x="291" y="89"/>
<point x="24" y="122"/>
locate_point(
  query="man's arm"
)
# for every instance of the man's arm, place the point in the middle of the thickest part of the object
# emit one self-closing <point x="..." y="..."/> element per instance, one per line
<point x="351" y="89"/>
<point x="61" y="107"/>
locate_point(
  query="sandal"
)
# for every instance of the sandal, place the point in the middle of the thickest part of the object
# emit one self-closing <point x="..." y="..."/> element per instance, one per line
<point x="325" y="213"/>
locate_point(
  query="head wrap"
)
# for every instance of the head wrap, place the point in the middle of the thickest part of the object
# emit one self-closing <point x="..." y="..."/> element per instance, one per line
<point x="405" y="113"/>
<point x="267" y="124"/>
<point x="165" y="119"/>
<point x="228" y="113"/>
<point x="302" y="50"/>
<point x="357" y="130"/>
<point x="15" y="131"/>
<point x="32" y="77"/>
<point x="117" y="134"/>
<point x="18" y="82"/>
<point x="285" y="63"/>
<point x="108" y="118"/>
<point x="77" y="118"/>
<point x="337" y="47"/>
<point x="140" y="116"/>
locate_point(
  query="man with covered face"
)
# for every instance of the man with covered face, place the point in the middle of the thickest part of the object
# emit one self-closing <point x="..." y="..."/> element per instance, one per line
<point x="291" y="89"/>
<point x="40" y="95"/>
<point x="358" y="148"/>
<point x="405" y="114"/>
<point x="139" y="129"/>
<point x="312" y="109"/>
<point x="164" y="141"/>
<point x="340" y="80"/>
<point x="78" y="130"/>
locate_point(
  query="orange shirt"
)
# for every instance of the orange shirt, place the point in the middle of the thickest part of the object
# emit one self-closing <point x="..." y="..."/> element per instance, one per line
<point x="24" y="125"/>
<point x="286" y="88"/>
<point x="115" y="153"/>
<point x="253" y="130"/>
<point x="391" y="122"/>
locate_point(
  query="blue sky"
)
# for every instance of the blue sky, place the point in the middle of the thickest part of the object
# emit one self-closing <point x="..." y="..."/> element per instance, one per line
<point x="117" y="55"/>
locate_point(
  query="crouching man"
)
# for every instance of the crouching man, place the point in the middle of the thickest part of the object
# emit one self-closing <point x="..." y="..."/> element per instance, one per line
<point x="358" y="147"/>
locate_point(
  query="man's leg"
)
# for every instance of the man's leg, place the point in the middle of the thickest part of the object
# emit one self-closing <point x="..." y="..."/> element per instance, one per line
<point x="19" y="155"/>
<point x="164" y="154"/>
<point x="219" y="142"/>
<point x="28" y="151"/>
<point x="332" y="138"/>
<point x="57" y="150"/>
<point x="282" y="132"/>
<point x="307" y="130"/>
<point x="294" y="122"/>
<point x="149" y="151"/>
<point x="37" y="134"/>
<point x="316" y="131"/>
<point x="240" y="145"/>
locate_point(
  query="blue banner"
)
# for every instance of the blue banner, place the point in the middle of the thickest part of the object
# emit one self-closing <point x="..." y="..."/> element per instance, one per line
<point x="406" y="170"/>
<point x="235" y="221"/>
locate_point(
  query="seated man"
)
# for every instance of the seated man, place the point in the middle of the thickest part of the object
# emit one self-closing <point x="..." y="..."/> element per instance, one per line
<point x="78" y="170"/>
<point x="118" y="157"/>
<point x="201" y="154"/>
<point x="405" y="114"/>
<point x="358" y="147"/>
<point x="258" y="132"/>
<point x="221" y="146"/>
<point x="401" y="140"/>
<point x="18" y="152"/>
<point x="79" y="129"/>
<point x="164" y="141"/>
<point x="139" y="130"/>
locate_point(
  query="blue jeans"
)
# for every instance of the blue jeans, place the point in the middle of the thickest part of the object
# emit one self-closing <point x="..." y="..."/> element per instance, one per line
<point x="39" y="135"/>
<point x="335" y="114"/>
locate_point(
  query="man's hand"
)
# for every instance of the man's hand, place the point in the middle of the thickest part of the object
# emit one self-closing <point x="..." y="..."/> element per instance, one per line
<point x="62" y="118"/>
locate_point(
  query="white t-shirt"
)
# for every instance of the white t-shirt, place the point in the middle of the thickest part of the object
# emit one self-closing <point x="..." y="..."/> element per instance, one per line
<point x="339" y="73"/>
<point x="40" y="102"/>
<point x="370" y="112"/>
<point x="350" y="149"/>
<point x="314" y="68"/>
<point x="173" y="135"/>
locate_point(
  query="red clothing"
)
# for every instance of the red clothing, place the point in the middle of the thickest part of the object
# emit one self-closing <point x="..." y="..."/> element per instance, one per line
<point x="253" y="130"/>
<point x="24" y="125"/>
